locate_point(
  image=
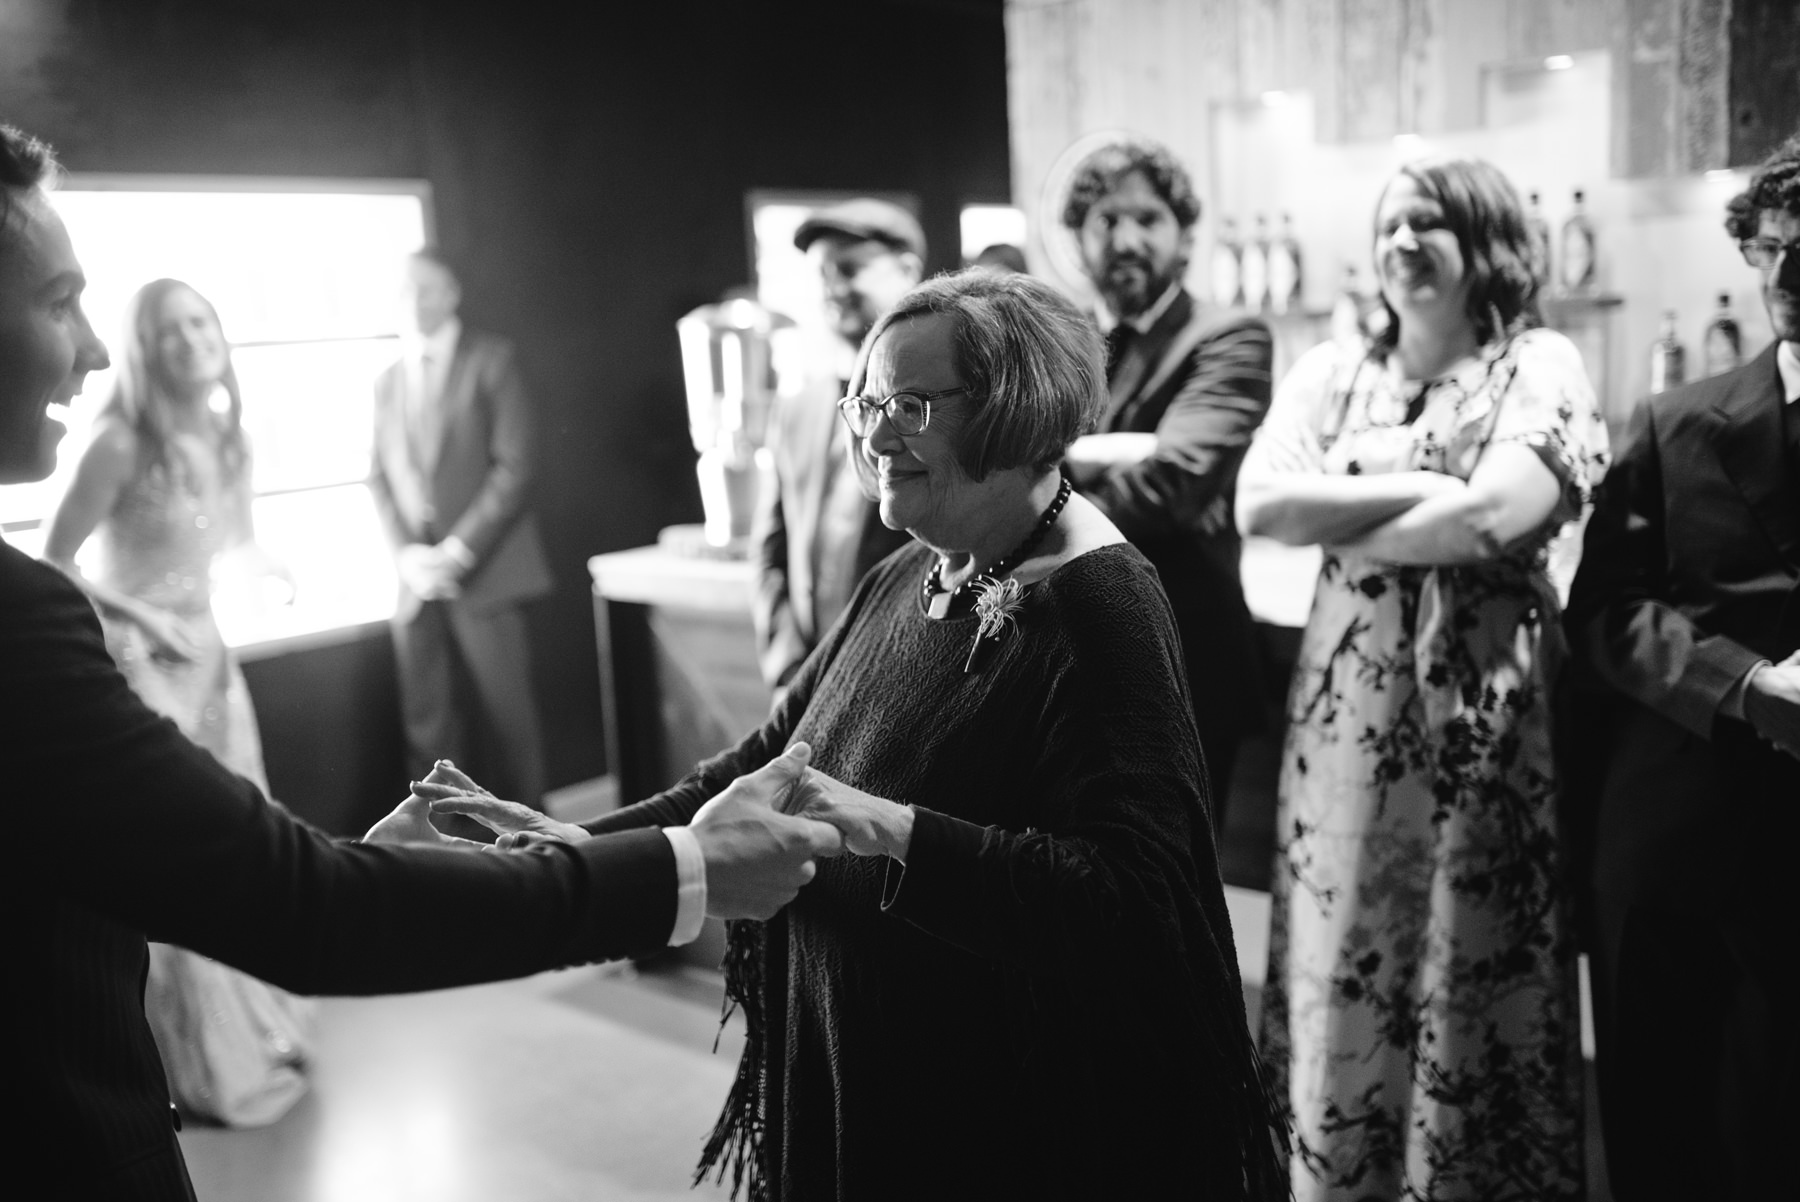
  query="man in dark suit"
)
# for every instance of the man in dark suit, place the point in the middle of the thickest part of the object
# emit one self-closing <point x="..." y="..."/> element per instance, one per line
<point x="816" y="534"/>
<point x="1686" y="614"/>
<point x="1189" y="387"/>
<point x="153" y="837"/>
<point x="454" y="458"/>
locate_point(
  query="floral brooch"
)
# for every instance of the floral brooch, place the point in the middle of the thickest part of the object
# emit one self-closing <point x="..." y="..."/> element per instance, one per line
<point x="998" y="604"/>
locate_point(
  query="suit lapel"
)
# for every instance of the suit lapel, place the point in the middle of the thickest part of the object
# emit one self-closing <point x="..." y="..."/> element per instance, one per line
<point x="1139" y="361"/>
<point x="1753" y="452"/>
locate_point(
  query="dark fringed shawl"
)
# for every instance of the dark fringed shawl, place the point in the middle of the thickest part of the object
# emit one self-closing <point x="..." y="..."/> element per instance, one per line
<point x="1049" y="1001"/>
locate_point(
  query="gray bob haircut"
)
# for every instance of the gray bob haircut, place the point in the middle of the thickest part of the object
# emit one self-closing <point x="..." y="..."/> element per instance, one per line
<point x="1032" y="362"/>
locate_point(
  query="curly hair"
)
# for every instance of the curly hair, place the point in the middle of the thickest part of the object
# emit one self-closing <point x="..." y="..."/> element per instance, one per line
<point x="26" y="164"/>
<point x="1482" y="209"/>
<point x="1776" y="185"/>
<point x="1102" y="170"/>
<point x="1033" y="363"/>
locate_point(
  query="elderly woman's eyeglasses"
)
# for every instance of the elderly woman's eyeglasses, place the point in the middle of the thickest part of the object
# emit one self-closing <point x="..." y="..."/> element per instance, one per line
<point x="908" y="412"/>
<point x="1762" y="253"/>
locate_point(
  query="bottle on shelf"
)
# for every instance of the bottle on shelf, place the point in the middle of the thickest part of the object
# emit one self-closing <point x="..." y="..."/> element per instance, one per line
<point x="1285" y="284"/>
<point x="1668" y="358"/>
<point x="1255" y="266"/>
<point x="1722" y="349"/>
<point x="1227" y="254"/>
<point x="1346" y="310"/>
<point x="1537" y="236"/>
<point x="1577" y="253"/>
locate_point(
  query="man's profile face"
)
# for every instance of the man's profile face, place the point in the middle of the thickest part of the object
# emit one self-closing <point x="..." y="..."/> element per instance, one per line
<point x="1132" y="246"/>
<point x="430" y="295"/>
<point x="862" y="278"/>
<point x="1781" y="283"/>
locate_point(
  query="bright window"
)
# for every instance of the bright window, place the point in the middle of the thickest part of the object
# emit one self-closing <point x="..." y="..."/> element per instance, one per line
<point x="305" y="275"/>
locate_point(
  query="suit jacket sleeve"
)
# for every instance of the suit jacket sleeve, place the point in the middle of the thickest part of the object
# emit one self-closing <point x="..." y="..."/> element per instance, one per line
<point x="161" y="838"/>
<point x="1621" y="620"/>
<point x="381" y="489"/>
<point x="1200" y="440"/>
<point x="512" y="452"/>
<point x="780" y="645"/>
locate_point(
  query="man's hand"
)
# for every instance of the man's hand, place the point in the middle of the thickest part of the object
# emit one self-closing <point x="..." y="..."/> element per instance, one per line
<point x="1772" y="704"/>
<point x="871" y="825"/>
<point x="428" y="572"/>
<point x="757" y="858"/>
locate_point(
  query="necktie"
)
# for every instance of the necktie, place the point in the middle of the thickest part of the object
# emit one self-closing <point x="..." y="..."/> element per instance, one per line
<point x="426" y="419"/>
<point x="1116" y="340"/>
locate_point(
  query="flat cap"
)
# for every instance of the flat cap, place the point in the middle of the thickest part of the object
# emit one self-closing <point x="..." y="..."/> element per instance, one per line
<point x="865" y="218"/>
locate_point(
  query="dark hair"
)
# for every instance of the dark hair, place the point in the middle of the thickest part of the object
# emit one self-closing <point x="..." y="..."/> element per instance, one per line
<point x="1001" y="256"/>
<point x="1102" y="171"/>
<point x="25" y="164"/>
<point x="1776" y="185"/>
<point x="1482" y="209"/>
<point x="1032" y="363"/>
<point x="141" y="393"/>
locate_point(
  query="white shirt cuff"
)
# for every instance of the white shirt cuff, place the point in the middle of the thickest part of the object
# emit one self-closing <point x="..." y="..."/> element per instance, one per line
<point x="690" y="885"/>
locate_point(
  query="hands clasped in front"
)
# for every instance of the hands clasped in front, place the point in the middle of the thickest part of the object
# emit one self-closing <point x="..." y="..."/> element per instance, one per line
<point x="759" y="836"/>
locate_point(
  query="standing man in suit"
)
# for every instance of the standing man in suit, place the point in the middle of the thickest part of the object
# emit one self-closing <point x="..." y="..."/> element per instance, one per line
<point x="816" y="534"/>
<point x="455" y="452"/>
<point x="1686" y="612"/>
<point x="1189" y="384"/>
<point x="155" y="837"/>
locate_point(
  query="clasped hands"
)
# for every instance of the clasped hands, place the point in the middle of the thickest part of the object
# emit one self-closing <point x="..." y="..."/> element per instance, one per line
<point x="429" y="571"/>
<point x="1772" y="704"/>
<point x="759" y="836"/>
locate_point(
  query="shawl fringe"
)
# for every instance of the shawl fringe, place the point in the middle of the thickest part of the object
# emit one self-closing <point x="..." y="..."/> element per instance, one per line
<point x="737" y="1139"/>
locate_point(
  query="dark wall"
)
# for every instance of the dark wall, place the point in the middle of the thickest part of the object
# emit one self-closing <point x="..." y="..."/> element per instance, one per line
<point x="588" y="174"/>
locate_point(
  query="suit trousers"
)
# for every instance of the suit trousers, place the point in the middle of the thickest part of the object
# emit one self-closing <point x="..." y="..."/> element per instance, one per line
<point x="466" y="696"/>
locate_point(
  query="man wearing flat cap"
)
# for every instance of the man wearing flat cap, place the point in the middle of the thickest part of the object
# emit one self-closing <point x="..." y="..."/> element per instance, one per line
<point x="816" y="534"/>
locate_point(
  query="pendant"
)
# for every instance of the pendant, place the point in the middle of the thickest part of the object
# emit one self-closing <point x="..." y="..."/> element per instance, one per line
<point x="940" y="605"/>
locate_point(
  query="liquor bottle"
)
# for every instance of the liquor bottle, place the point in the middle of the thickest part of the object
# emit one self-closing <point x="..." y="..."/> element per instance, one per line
<point x="1668" y="358"/>
<point x="1577" y="251"/>
<point x="1537" y="237"/>
<point x="1227" y="277"/>
<point x="1722" y="349"/>
<point x="1346" y="311"/>
<point x="1285" y="284"/>
<point x="1256" y="266"/>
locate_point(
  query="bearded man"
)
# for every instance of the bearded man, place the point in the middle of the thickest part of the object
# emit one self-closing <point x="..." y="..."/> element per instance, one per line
<point x="1189" y="384"/>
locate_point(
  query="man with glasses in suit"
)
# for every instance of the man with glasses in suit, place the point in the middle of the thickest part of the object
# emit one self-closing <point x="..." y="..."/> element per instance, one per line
<point x="816" y="534"/>
<point x="1685" y="617"/>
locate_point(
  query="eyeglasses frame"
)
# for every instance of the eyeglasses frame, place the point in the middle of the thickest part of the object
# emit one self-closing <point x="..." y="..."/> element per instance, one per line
<point x="861" y="404"/>
<point x="1750" y="247"/>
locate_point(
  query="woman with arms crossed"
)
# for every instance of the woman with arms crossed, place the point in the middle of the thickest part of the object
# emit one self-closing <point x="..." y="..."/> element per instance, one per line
<point x="1420" y="1012"/>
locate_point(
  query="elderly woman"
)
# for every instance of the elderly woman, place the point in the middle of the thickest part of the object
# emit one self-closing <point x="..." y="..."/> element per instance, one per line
<point x="1420" y="1011"/>
<point x="1024" y="984"/>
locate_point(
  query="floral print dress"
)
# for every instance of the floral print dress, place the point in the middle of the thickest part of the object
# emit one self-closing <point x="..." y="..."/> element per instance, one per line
<point x="1421" y="1009"/>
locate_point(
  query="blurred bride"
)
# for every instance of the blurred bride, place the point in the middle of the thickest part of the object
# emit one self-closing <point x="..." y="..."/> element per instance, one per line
<point x="165" y="483"/>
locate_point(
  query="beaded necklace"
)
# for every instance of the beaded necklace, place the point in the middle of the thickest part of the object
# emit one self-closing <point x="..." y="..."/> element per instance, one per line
<point x="938" y="603"/>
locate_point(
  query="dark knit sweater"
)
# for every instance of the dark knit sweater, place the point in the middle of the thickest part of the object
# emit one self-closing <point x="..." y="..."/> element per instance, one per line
<point x="1047" y="1005"/>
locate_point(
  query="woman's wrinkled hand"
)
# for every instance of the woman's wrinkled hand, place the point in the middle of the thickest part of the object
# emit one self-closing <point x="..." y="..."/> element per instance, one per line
<point x="448" y="790"/>
<point x="871" y="825"/>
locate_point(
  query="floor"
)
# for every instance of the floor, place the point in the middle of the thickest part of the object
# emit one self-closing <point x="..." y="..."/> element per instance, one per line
<point x="591" y="1085"/>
